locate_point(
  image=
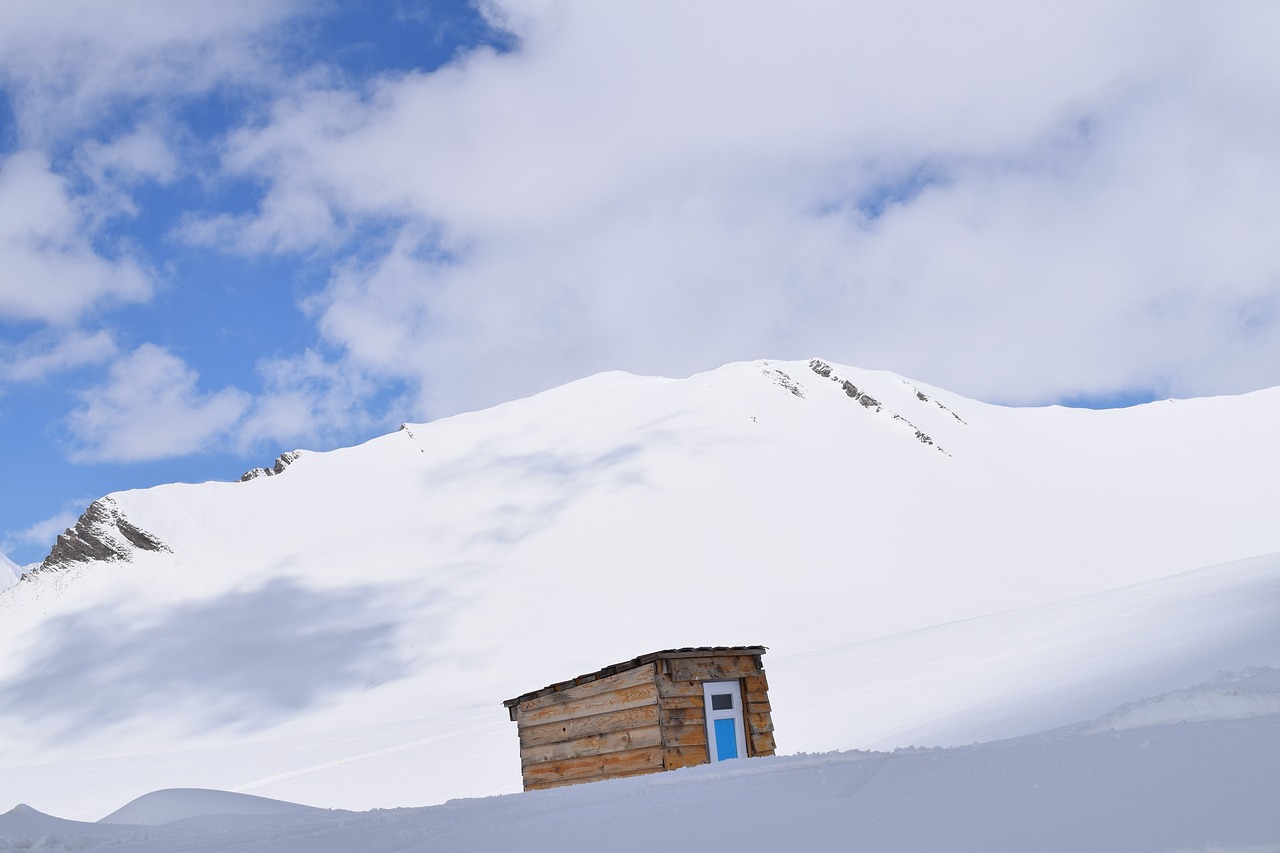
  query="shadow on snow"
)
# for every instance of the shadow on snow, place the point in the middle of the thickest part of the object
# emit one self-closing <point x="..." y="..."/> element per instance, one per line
<point x="244" y="660"/>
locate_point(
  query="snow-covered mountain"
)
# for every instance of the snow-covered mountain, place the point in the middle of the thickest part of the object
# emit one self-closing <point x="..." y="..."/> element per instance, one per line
<point x="924" y="568"/>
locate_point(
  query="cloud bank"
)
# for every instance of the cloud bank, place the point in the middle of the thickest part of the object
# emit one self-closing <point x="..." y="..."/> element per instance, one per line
<point x="1022" y="203"/>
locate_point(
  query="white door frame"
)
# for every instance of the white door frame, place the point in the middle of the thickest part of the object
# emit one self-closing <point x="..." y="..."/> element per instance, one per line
<point x="732" y="688"/>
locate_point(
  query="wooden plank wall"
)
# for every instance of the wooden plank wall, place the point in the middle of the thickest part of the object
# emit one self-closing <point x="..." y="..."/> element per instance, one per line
<point x="604" y="729"/>
<point x="755" y="689"/>
<point x="684" y="728"/>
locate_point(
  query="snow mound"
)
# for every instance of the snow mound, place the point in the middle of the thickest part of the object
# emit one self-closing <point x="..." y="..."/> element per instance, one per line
<point x="1254" y="692"/>
<point x="26" y="828"/>
<point x="23" y="818"/>
<point x="175" y="804"/>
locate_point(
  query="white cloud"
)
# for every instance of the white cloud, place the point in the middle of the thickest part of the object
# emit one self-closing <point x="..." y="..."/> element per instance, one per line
<point x="602" y="101"/>
<point x="52" y="272"/>
<point x="1018" y="202"/>
<point x="151" y="408"/>
<point x="73" y="73"/>
<point x="142" y="154"/>
<point x="288" y="220"/>
<point x="296" y="212"/>
<point x="92" y="88"/>
<point x="306" y="399"/>
<point x="113" y="170"/>
<point x="42" y="355"/>
<point x="69" y="64"/>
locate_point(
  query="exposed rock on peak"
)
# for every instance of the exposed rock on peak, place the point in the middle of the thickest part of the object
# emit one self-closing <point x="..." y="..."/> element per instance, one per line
<point x="282" y="461"/>
<point x="924" y="398"/>
<point x="101" y="533"/>
<point x="824" y="370"/>
<point x="782" y="378"/>
<point x="868" y="402"/>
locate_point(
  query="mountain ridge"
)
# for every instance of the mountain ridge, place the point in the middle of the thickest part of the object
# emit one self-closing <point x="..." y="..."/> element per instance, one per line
<point x="82" y="542"/>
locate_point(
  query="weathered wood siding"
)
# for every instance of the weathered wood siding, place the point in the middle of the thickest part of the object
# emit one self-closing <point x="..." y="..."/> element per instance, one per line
<point x="641" y="720"/>
<point x="599" y="730"/>
<point x="684" y="726"/>
<point x="755" y="695"/>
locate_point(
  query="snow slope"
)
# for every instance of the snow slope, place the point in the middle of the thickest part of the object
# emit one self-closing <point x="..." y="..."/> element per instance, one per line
<point x="1034" y="668"/>
<point x="9" y="572"/>
<point x="1208" y="784"/>
<point x="342" y="633"/>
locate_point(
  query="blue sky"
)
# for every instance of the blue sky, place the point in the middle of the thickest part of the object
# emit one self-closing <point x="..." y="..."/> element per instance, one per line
<point x="229" y="229"/>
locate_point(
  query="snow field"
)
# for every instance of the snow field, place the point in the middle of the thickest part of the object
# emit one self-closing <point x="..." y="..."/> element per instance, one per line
<point x="342" y="635"/>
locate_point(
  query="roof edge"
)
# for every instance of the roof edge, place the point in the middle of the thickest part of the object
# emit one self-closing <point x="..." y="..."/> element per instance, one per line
<point x="615" y="668"/>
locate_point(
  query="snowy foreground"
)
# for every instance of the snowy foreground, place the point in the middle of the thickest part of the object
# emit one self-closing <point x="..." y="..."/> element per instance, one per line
<point x="1192" y="770"/>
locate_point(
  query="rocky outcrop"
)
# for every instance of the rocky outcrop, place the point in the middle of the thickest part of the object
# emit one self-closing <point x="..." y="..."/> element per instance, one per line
<point x="824" y="370"/>
<point x="782" y="378"/>
<point x="284" y="460"/>
<point x="868" y="402"/>
<point x="924" y="398"/>
<point x="101" y="533"/>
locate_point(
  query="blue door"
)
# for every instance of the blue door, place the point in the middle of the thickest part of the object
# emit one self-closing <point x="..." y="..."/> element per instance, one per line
<point x="726" y="734"/>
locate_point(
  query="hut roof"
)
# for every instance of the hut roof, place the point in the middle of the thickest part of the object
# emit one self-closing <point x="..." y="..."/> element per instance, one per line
<point x="615" y="668"/>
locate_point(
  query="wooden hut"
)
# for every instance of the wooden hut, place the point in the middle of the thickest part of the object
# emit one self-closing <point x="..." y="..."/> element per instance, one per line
<point x="660" y="711"/>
